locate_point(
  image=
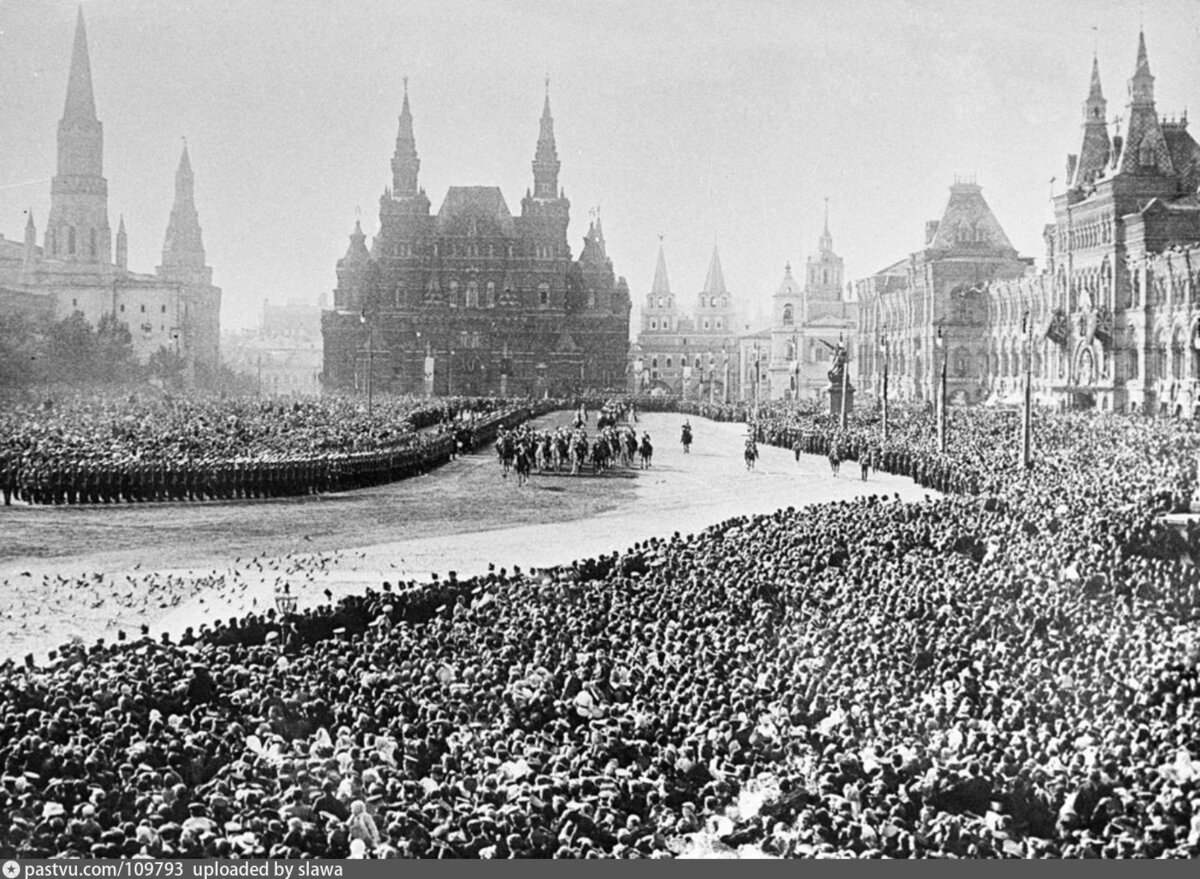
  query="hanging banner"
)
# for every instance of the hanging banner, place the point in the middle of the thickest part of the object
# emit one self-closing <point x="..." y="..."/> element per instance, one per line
<point x="429" y="376"/>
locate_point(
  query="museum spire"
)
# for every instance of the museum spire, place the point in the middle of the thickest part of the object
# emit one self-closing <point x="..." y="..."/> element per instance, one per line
<point x="545" y="160"/>
<point x="405" y="164"/>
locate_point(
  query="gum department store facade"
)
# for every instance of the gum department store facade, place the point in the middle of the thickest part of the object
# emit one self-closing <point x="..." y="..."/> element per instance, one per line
<point x="1114" y="318"/>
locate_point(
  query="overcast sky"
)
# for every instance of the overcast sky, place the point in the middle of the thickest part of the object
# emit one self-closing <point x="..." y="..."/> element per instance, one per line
<point x="700" y="121"/>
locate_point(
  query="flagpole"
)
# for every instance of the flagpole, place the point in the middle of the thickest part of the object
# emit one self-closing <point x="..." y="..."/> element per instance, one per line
<point x="941" y="411"/>
<point x="1027" y="408"/>
<point x="885" y="389"/>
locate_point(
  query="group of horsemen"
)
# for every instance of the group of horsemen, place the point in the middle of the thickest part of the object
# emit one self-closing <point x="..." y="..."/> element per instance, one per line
<point x="522" y="449"/>
<point x="571" y="449"/>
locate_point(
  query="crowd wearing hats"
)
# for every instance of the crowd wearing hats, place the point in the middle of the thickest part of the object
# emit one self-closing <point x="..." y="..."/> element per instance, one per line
<point x="112" y="451"/>
<point x="1008" y="670"/>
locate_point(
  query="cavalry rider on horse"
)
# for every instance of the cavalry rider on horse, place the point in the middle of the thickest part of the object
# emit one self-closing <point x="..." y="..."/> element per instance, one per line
<point x="686" y="437"/>
<point x="751" y="453"/>
<point x="645" y="451"/>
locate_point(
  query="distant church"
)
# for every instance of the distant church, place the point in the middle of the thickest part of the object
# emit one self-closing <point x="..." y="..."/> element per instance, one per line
<point x="473" y="300"/>
<point x="703" y="354"/>
<point x="692" y="354"/>
<point x="177" y="308"/>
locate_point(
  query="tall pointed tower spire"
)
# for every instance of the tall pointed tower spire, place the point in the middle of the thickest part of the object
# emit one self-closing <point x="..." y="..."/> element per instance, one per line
<point x="183" y="249"/>
<point x="545" y="160"/>
<point x="122" y="245"/>
<point x="81" y="102"/>
<point x="30" y="253"/>
<point x="1141" y="86"/>
<point x="77" y="228"/>
<point x="825" y="243"/>
<point x="661" y="286"/>
<point x="405" y="164"/>
<point x="660" y="315"/>
<point x="714" y="311"/>
<point x="1096" y="149"/>
<point x="1144" y="149"/>
<point x="714" y="281"/>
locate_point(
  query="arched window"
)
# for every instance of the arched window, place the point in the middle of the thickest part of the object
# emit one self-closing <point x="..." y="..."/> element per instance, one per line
<point x="453" y="288"/>
<point x="543" y="295"/>
<point x="654" y="325"/>
<point x="788" y="318"/>
<point x="491" y="294"/>
<point x="668" y="363"/>
<point x="472" y="295"/>
<point x="660" y="302"/>
<point x="1160" y="357"/>
<point x="1177" y="354"/>
<point x="1133" y="363"/>
<point x="654" y="363"/>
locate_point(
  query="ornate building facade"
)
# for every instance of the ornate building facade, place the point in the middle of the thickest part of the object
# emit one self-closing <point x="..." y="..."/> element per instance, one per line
<point x="177" y="308"/>
<point x="1114" y="316"/>
<point x="692" y="354"/>
<point x="473" y="300"/>
<point x="1113" y="319"/>
<point x="933" y="306"/>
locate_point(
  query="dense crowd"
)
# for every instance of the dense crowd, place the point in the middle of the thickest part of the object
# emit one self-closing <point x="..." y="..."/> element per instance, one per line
<point x="104" y="450"/>
<point x="1009" y="671"/>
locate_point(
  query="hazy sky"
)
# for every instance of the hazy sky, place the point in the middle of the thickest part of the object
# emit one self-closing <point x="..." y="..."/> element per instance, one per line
<point x="699" y="121"/>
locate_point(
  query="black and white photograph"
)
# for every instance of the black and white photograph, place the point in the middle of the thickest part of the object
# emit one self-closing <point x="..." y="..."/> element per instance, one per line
<point x="621" y="429"/>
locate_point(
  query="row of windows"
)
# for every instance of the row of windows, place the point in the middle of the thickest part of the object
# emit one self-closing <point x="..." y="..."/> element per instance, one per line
<point x="698" y="363"/>
<point x="53" y="242"/>
<point x="472" y="299"/>
<point x="142" y="308"/>
<point x="717" y="323"/>
<point x="540" y="251"/>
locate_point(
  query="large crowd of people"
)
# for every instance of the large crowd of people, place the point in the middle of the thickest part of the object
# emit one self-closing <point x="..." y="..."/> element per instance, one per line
<point x="1006" y="670"/>
<point x="107" y="450"/>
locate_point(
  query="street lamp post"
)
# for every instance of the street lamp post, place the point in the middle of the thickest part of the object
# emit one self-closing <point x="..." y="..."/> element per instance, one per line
<point x="1027" y="407"/>
<point x="285" y="605"/>
<point x="941" y="412"/>
<point x="883" y="341"/>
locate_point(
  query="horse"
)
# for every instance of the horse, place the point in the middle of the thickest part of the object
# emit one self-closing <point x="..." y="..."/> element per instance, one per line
<point x="629" y="448"/>
<point x="835" y="460"/>
<point x="686" y="439"/>
<point x="561" y="452"/>
<point x="506" y="452"/>
<point x="543" y="453"/>
<point x="579" y="451"/>
<point x="646" y="451"/>
<point x="523" y="464"/>
<point x="599" y="456"/>
<point x="751" y="454"/>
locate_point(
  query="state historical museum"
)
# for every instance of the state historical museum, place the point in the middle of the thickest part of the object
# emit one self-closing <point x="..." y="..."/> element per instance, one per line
<point x="473" y="300"/>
